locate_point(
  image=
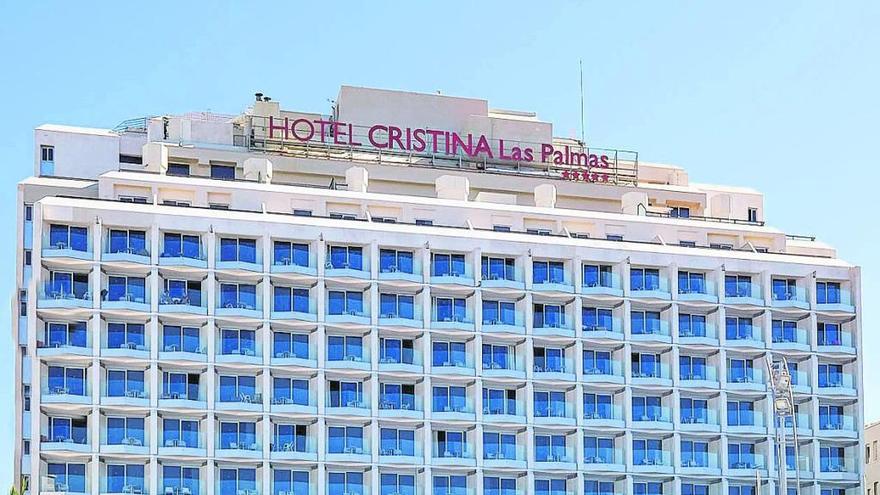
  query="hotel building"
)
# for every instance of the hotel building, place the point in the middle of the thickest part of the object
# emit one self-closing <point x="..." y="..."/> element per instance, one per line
<point x="414" y="295"/>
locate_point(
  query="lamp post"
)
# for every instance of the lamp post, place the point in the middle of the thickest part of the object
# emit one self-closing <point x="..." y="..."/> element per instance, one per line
<point x="783" y="407"/>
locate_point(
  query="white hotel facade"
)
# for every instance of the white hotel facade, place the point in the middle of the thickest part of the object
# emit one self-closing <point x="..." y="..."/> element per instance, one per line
<point x="205" y="309"/>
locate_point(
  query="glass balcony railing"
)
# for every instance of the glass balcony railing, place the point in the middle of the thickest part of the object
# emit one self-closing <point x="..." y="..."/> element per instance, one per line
<point x="453" y="451"/>
<point x="598" y="369"/>
<point x="652" y="458"/>
<point x="753" y="376"/>
<point x="698" y="417"/>
<point x="649" y="371"/>
<point x="649" y="287"/>
<point x="593" y="456"/>
<point x="554" y="454"/>
<point x="603" y="412"/>
<point x="832" y="341"/>
<point x="662" y="414"/>
<point x="556" y="365"/>
<point x="746" y="461"/>
<point x="788" y="296"/>
<point x="836" y="423"/>
<point x="743" y="293"/>
<point x="554" y="410"/>
<point x="700" y="460"/>
<point x="707" y="373"/>
<point x="843" y="381"/>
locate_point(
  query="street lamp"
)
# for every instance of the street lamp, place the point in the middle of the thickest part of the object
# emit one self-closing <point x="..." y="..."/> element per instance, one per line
<point x="783" y="407"/>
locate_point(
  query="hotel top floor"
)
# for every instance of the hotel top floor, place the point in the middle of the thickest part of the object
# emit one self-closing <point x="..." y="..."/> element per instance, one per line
<point x="408" y="158"/>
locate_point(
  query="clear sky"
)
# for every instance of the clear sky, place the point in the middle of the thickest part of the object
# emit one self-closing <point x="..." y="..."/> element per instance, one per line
<point x="779" y="96"/>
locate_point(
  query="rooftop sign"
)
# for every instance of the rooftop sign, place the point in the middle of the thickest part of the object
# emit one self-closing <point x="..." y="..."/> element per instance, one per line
<point x="562" y="161"/>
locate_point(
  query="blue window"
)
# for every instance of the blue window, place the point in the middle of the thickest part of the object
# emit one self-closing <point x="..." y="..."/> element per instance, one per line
<point x="181" y="246"/>
<point x="549" y="404"/>
<point x="550" y="448"/>
<point x="498" y="357"/>
<point x="691" y="325"/>
<point x="548" y="272"/>
<point x="290" y="253"/>
<point x="549" y="359"/>
<point x="241" y="435"/>
<point x="180" y="385"/>
<point x="126" y="289"/>
<point x="694" y="454"/>
<point x="125" y="478"/>
<point x="223" y="172"/>
<point x="128" y="241"/>
<point x="397" y="442"/>
<point x="691" y="282"/>
<point x="740" y="370"/>
<point x="740" y="413"/>
<point x="234" y="249"/>
<point x="644" y="279"/>
<point x="450" y="485"/>
<point x="553" y="486"/>
<point x="449" y="354"/>
<point x="741" y="455"/>
<point x="647" y="452"/>
<point x="827" y="292"/>
<point x="740" y="490"/>
<point x="737" y="286"/>
<point x="646" y="365"/>
<point x="448" y="265"/>
<point x="345" y="302"/>
<point x="694" y="489"/>
<point x="595" y="487"/>
<point x="598" y="276"/>
<point x="288" y="299"/>
<point x="288" y="481"/>
<point x="242" y="296"/>
<point x="830" y="417"/>
<point x="647" y="409"/>
<point x="181" y="339"/>
<point x="548" y="315"/>
<point x="598" y="450"/>
<point x="830" y="375"/>
<point x="238" y="480"/>
<point x="499" y="445"/>
<point x="597" y="363"/>
<point x="123" y="335"/>
<point x="598" y="406"/>
<point x="345" y="439"/>
<point x="178" y="291"/>
<point x="832" y="459"/>
<point x="648" y="488"/>
<point x="345" y="348"/>
<point x="450" y="443"/>
<point x="290" y="345"/>
<point x="67" y="334"/>
<point x="69" y="477"/>
<point x="125" y="431"/>
<point x="68" y="237"/>
<point x="397" y="306"/>
<point x="828" y="491"/>
<point x="125" y="383"/>
<point x="67" y="381"/>
<point x="178" y="169"/>
<point x="828" y="334"/>
<point x="68" y="430"/>
<point x="181" y="479"/>
<point x="394" y="261"/>
<point x="496" y="268"/>
<point x="290" y="391"/>
<point x="738" y="328"/>
<point x="238" y="388"/>
<point x="692" y="367"/>
<point x="784" y="289"/>
<point x="784" y="331"/>
<point x="397" y="396"/>
<point x="597" y="319"/>
<point x="499" y="312"/>
<point x="234" y="341"/>
<point x="180" y="433"/>
<point x="341" y="257"/>
<point x="64" y="285"/>
<point x="346" y="394"/>
<point x="679" y="212"/>
<point x="693" y="411"/>
<point x="345" y="483"/>
<point x="290" y="438"/>
<point x="397" y="484"/>
<point x="449" y="398"/>
<point x="396" y="351"/>
<point x="645" y="322"/>
<point x="499" y="401"/>
<point x="450" y="309"/>
<point x="494" y="485"/>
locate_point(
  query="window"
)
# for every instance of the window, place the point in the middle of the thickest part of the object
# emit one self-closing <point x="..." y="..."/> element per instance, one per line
<point x="597" y="319"/>
<point x="180" y="433"/>
<point x="740" y="490"/>
<point x="597" y="362"/>
<point x="285" y="481"/>
<point x="579" y="235"/>
<point x="235" y="388"/>
<point x="383" y="219"/>
<point x="238" y="480"/>
<point x="830" y="375"/>
<point x="181" y="246"/>
<point x="69" y="237"/>
<point x="22" y="303"/>
<point x="548" y="272"/>
<point x="648" y="409"/>
<point x="692" y="367"/>
<point x="47" y="153"/>
<point x="499" y="445"/>
<point x="498" y="357"/>
<point x="132" y="199"/>
<point x="550" y="448"/>
<point x="498" y="268"/>
<point x="66" y="334"/>
<point x="740" y="370"/>
<point x="694" y="453"/>
<point x="126" y="336"/>
<point x="549" y="404"/>
<point x="128" y="241"/>
<point x="26" y="447"/>
<point x="644" y="279"/>
<point x="553" y="486"/>
<point x="287" y="299"/>
<point x="131" y="159"/>
<point x="396" y="351"/>
<point x="784" y="289"/>
<point x="691" y="282"/>
<point x="397" y="306"/>
<point x="741" y="456"/>
<point x="178" y="169"/>
<point x="238" y="342"/>
<point x="500" y="401"/>
<point x="539" y="231"/>
<point x="740" y="413"/>
<point x="125" y="431"/>
<point x="693" y="411"/>
<point x="241" y="250"/>
<point x="450" y="398"/>
<point x="687" y="244"/>
<point x="594" y="487"/>
<point x="449" y="354"/>
<point x="290" y="438"/>
<point x="448" y="265"/>
<point x="397" y="484"/>
<point x="218" y="206"/>
<point x="598" y="406"/>
<point x="494" y="485"/>
<point x="829" y="334"/>
<point x="753" y="215"/>
<point x="393" y="261"/>
<point x="647" y="452"/>
<point x="130" y="289"/>
<point x="827" y="292"/>
<point x="223" y="172"/>
<point x="345" y="348"/>
<point x="66" y="381"/>
<point x="450" y="309"/>
<point x="28" y="212"/>
<point x="343" y="216"/>
<point x="738" y="286"/>
<point x="646" y="365"/>
<point x="499" y="313"/>
<point x="69" y="477"/>
<point x="346" y="394"/>
<point x="68" y="430"/>
<point x="548" y="316"/>
<point x="646" y="323"/>
<point x="598" y="276"/>
<point x="450" y="444"/>
<point x="501" y="228"/>
<point x="614" y="237"/>
<point x="424" y="222"/>
<point x="345" y="257"/>
<point x="67" y="285"/>
<point x="680" y="212"/>
<point x="549" y="359"/>
<point x="180" y="386"/>
<point x="345" y="439"/>
<point x="691" y="325"/>
<point x="397" y="442"/>
<point x="242" y="296"/>
<point x="28" y="255"/>
<point x="302" y="213"/>
<point x="290" y="253"/>
<point x="450" y="485"/>
<point x="125" y="383"/>
<point x="181" y="479"/>
<point x="784" y="331"/>
<point x="723" y="246"/>
<point x="26" y="393"/>
<point x="287" y="391"/>
<point x="739" y="328"/>
<point x="397" y="396"/>
<point x="181" y="339"/>
<point x="345" y="303"/>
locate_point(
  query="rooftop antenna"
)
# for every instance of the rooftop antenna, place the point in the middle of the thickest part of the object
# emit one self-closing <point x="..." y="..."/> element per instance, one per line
<point x="581" y="66"/>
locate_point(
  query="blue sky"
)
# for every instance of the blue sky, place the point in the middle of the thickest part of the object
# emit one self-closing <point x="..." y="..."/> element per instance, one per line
<point x="779" y="96"/>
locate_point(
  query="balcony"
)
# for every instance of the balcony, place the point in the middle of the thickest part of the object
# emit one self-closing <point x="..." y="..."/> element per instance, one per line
<point x="404" y="406"/>
<point x="291" y="448"/>
<point x="513" y="322"/>
<point x="554" y="284"/>
<point x="652" y="418"/>
<point x="652" y="461"/>
<point x="744" y="336"/>
<point x="743" y="294"/>
<point x="700" y="464"/>
<point x="603" y="416"/>
<point x="54" y="349"/>
<point x="841" y="341"/>
<point x="65" y="444"/>
<point x="457" y="410"/>
<point x="452" y="321"/>
<point x="127" y="302"/>
<point x="746" y="379"/>
<point x="699" y="420"/>
<point x="405" y="361"/>
<point x="293" y="261"/>
<point x="401" y="452"/>
<point x="186" y="259"/>
<point x="838" y="468"/>
<point x="657" y="289"/>
<point x="239" y="308"/>
<point x="287" y="403"/>
<point x="511" y="366"/>
<point x="463" y="366"/>
<point x="188" y="303"/>
<point x="354" y="316"/>
<point x="554" y="413"/>
<point x="127" y="255"/>
<point x="651" y="373"/>
<point x="452" y="276"/>
<point x="174" y="351"/>
<point x="706" y="377"/>
<point x="348" y="406"/>
<point x="504" y="456"/>
<point x="701" y="333"/>
<point x="746" y="464"/>
<point x="748" y="423"/>
<point x="789" y="298"/>
<point x="552" y="325"/>
<point x="837" y="426"/>
<point x="502" y="279"/>
<point x="790" y="339"/>
<point x="408" y="318"/>
<point x="179" y="447"/>
<point x="399" y="267"/>
<point x="497" y="412"/>
<point x="243" y="401"/>
<point x="838" y="384"/>
<point x="239" y="449"/>
<point x="604" y="460"/>
<point x="602" y="371"/>
<point x="602" y="328"/>
<point x="835" y="301"/>
<point x="453" y="455"/>
<point x="64" y="250"/>
<point x="133" y="445"/>
<point x="650" y="330"/>
<point x="554" y="369"/>
<point x="54" y="296"/>
<point x="608" y="284"/>
<point x="697" y="293"/>
<point x="131" y="398"/>
<point x="71" y="394"/>
<point x="559" y="458"/>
